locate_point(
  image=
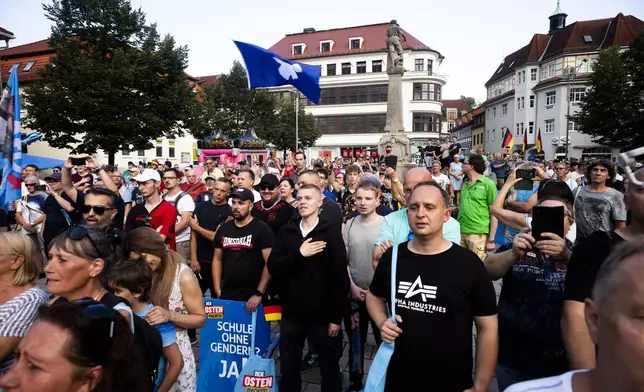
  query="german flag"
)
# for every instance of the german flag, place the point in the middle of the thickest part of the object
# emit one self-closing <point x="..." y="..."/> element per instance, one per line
<point x="525" y="141"/>
<point x="273" y="312"/>
<point x="539" y="145"/>
<point x="508" y="140"/>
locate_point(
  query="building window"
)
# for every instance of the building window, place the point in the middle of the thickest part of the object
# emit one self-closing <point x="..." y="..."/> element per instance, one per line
<point x="430" y="67"/>
<point x="551" y="71"/>
<point x="27" y="67"/>
<point x="518" y="77"/>
<point x="125" y="151"/>
<point x="494" y="111"/>
<point x="330" y="69"/>
<point x="577" y="94"/>
<point x="523" y="75"/>
<point x="518" y="103"/>
<point x="354" y="94"/>
<point x="364" y="123"/>
<point x="573" y="126"/>
<point x="419" y="65"/>
<point x="141" y="153"/>
<point x="551" y="98"/>
<point x="325" y="46"/>
<point x="531" y="127"/>
<point x="171" y="148"/>
<point x="504" y="109"/>
<point x="376" y="66"/>
<point x="346" y="68"/>
<point x="493" y="135"/>
<point x="426" y="92"/>
<point x="355" y="43"/>
<point x="522" y="129"/>
<point x="533" y="75"/>
<point x="425" y="122"/>
<point x="532" y="101"/>
<point x="298" y="49"/>
<point x="550" y="126"/>
<point x="361" y="67"/>
<point x="516" y="129"/>
<point x="159" y="151"/>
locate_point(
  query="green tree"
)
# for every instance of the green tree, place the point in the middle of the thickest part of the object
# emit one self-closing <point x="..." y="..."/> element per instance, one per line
<point x="231" y="107"/>
<point x="613" y="110"/>
<point x="282" y="133"/>
<point x="470" y="101"/>
<point x="113" y="82"/>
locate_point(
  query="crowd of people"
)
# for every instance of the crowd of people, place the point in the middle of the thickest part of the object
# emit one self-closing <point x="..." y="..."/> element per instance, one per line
<point x="129" y="256"/>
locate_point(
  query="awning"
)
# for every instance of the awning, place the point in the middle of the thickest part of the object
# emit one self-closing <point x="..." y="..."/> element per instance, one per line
<point x="41" y="162"/>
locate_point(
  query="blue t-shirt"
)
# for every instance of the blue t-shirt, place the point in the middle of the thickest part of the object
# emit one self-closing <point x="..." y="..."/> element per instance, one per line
<point x="499" y="172"/>
<point x="330" y="195"/>
<point x="522" y="196"/>
<point x="168" y="338"/>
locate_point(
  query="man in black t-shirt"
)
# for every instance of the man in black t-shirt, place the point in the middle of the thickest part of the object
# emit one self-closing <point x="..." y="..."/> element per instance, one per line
<point x="242" y="247"/>
<point x="587" y="257"/>
<point x="440" y="289"/>
<point x="59" y="210"/>
<point x="272" y="210"/>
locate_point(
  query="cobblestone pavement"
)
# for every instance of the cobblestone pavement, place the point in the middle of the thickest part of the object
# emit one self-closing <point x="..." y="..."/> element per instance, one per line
<point x="311" y="380"/>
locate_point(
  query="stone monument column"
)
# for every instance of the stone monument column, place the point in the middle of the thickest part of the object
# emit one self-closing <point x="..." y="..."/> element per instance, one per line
<point x="394" y="128"/>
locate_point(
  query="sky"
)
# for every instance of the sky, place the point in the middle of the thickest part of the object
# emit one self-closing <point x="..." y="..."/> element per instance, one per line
<point x="473" y="35"/>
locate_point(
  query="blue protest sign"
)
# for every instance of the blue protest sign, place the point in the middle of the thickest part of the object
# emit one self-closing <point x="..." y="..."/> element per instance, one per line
<point x="226" y="343"/>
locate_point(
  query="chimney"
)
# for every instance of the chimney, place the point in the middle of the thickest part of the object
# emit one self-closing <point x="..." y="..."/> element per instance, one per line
<point x="309" y="30"/>
<point x="557" y="19"/>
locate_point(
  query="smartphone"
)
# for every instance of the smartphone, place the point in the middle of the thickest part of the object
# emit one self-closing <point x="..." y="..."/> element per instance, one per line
<point x="547" y="220"/>
<point x="526" y="174"/>
<point x="79" y="161"/>
<point x="40" y="188"/>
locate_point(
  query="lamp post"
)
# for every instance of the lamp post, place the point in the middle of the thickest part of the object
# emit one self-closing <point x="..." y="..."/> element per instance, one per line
<point x="569" y="76"/>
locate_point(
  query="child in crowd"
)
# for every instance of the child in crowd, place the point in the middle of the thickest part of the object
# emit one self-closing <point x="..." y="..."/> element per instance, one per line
<point x="132" y="281"/>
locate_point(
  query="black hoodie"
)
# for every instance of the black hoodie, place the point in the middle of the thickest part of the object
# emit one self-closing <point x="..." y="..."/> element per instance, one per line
<point x="313" y="290"/>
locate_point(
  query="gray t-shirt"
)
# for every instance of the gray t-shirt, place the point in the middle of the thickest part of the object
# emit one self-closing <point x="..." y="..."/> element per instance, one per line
<point x="359" y="239"/>
<point x="598" y="211"/>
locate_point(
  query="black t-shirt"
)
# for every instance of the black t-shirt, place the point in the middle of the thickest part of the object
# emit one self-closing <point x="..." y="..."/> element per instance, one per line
<point x="530" y="310"/>
<point x="437" y="298"/>
<point x="57" y="218"/>
<point x="242" y="259"/>
<point x="331" y="212"/>
<point x="210" y="216"/>
<point x="274" y="217"/>
<point x="587" y="257"/>
<point x="120" y="209"/>
<point x="4" y="220"/>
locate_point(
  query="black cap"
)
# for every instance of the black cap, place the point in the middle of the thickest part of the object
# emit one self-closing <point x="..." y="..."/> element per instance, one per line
<point x="53" y="177"/>
<point x="270" y="180"/>
<point x="243" y="194"/>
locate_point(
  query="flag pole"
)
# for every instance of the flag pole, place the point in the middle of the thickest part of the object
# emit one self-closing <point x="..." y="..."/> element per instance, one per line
<point x="297" y="119"/>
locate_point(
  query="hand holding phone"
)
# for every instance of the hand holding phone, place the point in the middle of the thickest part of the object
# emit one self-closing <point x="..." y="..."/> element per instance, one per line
<point x="79" y="161"/>
<point x="547" y="220"/>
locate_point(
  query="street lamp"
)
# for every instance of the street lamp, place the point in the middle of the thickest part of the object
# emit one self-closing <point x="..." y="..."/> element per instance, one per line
<point x="569" y="76"/>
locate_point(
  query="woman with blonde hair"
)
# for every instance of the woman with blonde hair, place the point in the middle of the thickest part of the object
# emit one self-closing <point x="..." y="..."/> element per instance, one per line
<point x="20" y="267"/>
<point x="175" y="293"/>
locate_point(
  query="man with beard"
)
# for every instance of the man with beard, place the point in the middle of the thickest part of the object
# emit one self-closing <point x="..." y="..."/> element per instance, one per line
<point x="309" y="264"/>
<point x="272" y="210"/>
<point x="99" y="208"/>
<point x="242" y="247"/>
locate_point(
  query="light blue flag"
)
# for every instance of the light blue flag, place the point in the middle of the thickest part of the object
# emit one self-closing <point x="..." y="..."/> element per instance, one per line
<point x="10" y="143"/>
<point x="268" y="69"/>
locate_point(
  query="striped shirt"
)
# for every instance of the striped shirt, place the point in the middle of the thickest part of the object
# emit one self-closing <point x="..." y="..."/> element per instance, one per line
<point x="16" y="316"/>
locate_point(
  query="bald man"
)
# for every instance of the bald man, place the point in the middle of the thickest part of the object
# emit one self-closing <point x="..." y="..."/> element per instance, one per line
<point x="613" y="317"/>
<point x="193" y="187"/>
<point x="586" y="260"/>
<point x="395" y="227"/>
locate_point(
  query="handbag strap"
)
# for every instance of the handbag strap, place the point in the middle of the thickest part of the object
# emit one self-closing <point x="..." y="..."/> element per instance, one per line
<point x="252" y="337"/>
<point x="394" y="264"/>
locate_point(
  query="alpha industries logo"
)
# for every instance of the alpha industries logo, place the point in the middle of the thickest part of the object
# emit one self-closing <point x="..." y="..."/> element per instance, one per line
<point x="257" y="382"/>
<point x="236" y="243"/>
<point x="412" y="289"/>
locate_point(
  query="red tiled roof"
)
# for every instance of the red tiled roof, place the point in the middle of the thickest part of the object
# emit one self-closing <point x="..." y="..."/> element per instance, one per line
<point x="6" y="33"/>
<point x="373" y="35"/>
<point x="209" y="79"/>
<point x="455" y="104"/>
<point x="33" y="74"/>
<point x="620" y="30"/>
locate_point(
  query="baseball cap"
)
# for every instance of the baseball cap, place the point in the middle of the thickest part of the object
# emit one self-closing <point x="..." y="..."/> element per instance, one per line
<point x="53" y="177"/>
<point x="243" y="194"/>
<point x="269" y="179"/>
<point x="148" y="174"/>
<point x="211" y="178"/>
<point x="373" y="180"/>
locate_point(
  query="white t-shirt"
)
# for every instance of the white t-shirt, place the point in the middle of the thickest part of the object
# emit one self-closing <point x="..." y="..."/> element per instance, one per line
<point x="560" y="383"/>
<point x="184" y="204"/>
<point x="441" y="180"/>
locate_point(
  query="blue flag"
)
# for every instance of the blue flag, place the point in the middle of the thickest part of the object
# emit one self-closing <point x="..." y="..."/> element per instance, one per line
<point x="10" y="143"/>
<point x="267" y="69"/>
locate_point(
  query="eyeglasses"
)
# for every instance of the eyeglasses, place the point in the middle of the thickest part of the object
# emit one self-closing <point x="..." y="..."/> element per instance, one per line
<point x="77" y="233"/>
<point x="56" y="171"/>
<point x="269" y="187"/>
<point x="31" y="184"/>
<point x="98" y="210"/>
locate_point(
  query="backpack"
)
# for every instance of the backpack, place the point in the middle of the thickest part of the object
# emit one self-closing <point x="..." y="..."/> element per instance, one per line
<point x="146" y="337"/>
<point x="179" y="197"/>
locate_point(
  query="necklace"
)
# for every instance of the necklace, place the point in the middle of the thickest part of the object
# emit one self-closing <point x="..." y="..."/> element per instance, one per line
<point x="97" y="296"/>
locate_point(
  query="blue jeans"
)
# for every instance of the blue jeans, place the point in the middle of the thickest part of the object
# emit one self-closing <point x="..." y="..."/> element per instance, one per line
<point x="506" y="376"/>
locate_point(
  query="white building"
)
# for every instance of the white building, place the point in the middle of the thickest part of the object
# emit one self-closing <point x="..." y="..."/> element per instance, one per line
<point x="533" y="88"/>
<point x="353" y="105"/>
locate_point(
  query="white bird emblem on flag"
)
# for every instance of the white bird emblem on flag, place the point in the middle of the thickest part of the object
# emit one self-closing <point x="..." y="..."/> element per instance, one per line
<point x="288" y="71"/>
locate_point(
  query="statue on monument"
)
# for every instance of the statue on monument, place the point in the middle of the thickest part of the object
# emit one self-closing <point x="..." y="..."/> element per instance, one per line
<point x="395" y="38"/>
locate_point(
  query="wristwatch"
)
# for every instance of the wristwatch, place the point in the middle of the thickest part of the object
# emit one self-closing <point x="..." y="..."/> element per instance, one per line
<point x="258" y="293"/>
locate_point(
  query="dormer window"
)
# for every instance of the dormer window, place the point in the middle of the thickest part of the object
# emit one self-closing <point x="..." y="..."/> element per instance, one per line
<point x="326" y="46"/>
<point x="355" y="42"/>
<point x="298" y="49"/>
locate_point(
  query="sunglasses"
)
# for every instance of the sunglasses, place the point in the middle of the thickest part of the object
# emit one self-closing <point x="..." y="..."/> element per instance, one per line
<point x="97" y="311"/>
<point x="98" y="210"/>
<point x="265" y="187"/>
<point x="31" y="184"/>
<point x="56" y="171"/>
<point x="77" y="233"/>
